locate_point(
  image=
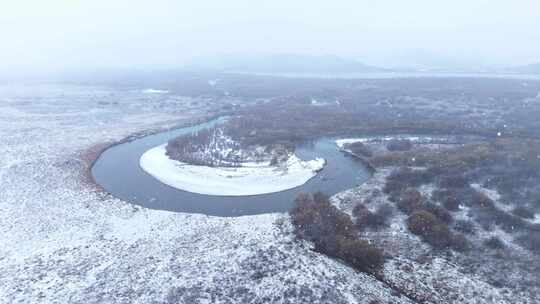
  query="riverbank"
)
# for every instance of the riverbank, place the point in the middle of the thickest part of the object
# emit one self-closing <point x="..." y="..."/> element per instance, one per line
<point x="248" y="179"/>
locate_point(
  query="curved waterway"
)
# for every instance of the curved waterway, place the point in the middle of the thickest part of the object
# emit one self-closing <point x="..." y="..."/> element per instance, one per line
<point x="117" y="170"/>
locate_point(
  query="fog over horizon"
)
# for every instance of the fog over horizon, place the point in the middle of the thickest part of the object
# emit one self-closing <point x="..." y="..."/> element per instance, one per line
<point x="60" y="34"/>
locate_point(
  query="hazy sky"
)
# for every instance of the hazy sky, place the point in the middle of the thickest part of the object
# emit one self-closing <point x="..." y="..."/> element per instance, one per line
<point x="71" y="33"/>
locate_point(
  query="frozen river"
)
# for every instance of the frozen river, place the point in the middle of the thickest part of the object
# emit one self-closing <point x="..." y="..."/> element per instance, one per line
<point x="118" y="171"/>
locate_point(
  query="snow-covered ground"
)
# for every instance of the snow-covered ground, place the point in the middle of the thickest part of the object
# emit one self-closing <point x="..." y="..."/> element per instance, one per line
<point x="249" y="178"/>
<point x="64" y="241"/>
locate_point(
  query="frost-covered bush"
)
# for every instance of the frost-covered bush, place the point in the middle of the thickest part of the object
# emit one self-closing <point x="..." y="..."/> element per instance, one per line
<point x="375" y="220"/>
<point x="451" y="203"/>
<point x="214" y="147"/>
<point x="422" y="222"/>
<point x="385" y="210"/>
<point x="206" y="147"/>
<point x="439" y="236"/>
<point x="410" y="201"/>
<point x="360" y="253"/>
<point x="449" y="198"/>
<point x="332" y="231"/>
<point x="481" y="200"/>
<point x="438" y="211"/>
<point x="359" y="209"/>
<point x="394" y="187"/>
<point x="460" y="242"/>
<point x="494" y="243"/>
<point x="488" y="215"/>
<point x="315" y="219"/>
<point x="405" y="177"/>
<point x="435" y="232"/>
<point x="464" y="226"/>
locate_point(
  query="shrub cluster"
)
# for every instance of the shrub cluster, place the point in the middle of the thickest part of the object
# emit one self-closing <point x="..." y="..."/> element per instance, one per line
<point x="405" y="177"/>
<point x="459" y="242"/>
<point x="464" y="226"/>
<point x="434" y="231"/>
<point x="429" y="220"/>
<point x="315" y="219"/>
<point x="481" y="200"/>
<point x="439" y="212"/>
<point x="451" y="203"/>
<point x="450" y="198"/>
<point x="367" y="219"/>
<point x="487" y="214"/>
<point x="495" y="243"/>
<point x="203" y="148"/>
<point x="410" y="200"/>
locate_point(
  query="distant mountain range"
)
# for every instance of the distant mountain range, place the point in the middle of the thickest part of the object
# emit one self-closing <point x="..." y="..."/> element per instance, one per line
<point x="304" y="64"/>
<point x="284" y="64"/>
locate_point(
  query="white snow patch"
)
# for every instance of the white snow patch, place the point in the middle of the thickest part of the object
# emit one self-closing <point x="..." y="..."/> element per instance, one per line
<point x="155" y="91"/>
<point x="249" y="179"/>
<point x="536" y="219"/>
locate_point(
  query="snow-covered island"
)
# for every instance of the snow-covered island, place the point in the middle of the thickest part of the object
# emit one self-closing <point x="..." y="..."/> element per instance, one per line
<point x="249" y="175"/>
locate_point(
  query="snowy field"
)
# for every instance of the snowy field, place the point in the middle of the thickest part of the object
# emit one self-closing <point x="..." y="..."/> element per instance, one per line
<point x="249" y="179"/>
<point x="64" y="241"/>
